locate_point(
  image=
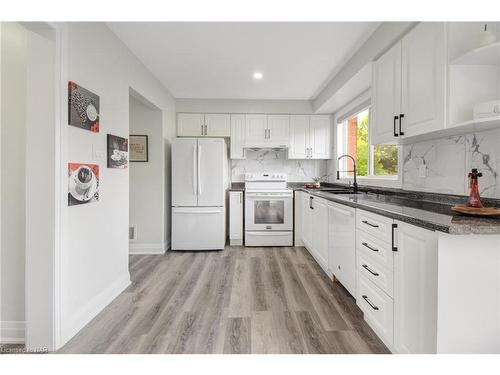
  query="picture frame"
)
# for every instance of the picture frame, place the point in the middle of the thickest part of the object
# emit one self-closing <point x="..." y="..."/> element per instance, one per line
<point x="138" y="148"/>
<point x="117" y="152"/>
<point x="83" y="108"/>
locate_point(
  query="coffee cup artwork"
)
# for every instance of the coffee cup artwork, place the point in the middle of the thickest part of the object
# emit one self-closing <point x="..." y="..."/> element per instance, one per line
<point x="83" y="183"/>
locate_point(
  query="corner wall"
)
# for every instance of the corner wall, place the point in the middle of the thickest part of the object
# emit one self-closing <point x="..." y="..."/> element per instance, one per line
<point x="95" y="248"/>
<point x="14" y="39"/>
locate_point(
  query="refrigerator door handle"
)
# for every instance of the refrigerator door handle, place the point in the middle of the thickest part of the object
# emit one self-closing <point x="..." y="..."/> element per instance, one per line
<point x="206" y="211"/>
<point x="199" y="168"/>
<point x="194" y="170"/>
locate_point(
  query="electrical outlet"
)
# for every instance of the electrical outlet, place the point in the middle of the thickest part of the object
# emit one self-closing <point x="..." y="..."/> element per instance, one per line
<point x="97" y="154"/>
<point x="422" y="171"/>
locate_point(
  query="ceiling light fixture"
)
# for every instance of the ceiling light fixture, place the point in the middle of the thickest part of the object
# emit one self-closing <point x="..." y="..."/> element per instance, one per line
<point x="257" y="75"/>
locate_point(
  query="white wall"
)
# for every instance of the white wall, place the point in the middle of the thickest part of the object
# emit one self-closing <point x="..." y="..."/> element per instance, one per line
<point x="94" y="260"/>
<point x="147" y="181"/>
<point x="40" y="186"/>
<point x="13" y="129"/>
<point x="243" y="106"/>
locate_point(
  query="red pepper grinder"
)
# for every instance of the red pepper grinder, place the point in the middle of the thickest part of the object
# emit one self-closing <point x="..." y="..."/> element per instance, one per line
<point x="474" y="198"/>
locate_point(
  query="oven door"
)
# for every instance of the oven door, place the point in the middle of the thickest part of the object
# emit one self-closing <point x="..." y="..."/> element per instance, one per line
<point x="269" y="211"/>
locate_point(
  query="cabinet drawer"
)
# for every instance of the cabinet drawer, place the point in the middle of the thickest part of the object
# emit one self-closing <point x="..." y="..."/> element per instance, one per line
<point x="379" y="250"/>
<point x="379" y="275"/>
<point x="377" y="308"/>
<point x="376" y="225"/>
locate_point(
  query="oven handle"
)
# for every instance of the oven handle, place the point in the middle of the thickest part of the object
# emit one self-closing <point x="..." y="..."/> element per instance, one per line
<point x="257" y="195"/>
<point x="270" y="233"/>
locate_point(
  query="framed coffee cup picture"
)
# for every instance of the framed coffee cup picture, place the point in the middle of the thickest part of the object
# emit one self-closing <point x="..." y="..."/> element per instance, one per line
<point x="138" y="148"/>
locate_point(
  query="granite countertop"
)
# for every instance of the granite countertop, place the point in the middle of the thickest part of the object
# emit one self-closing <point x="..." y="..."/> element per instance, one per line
<point x="427" y="210"/>
<point x="425" y="214"/>
<point x="237" y="186"/>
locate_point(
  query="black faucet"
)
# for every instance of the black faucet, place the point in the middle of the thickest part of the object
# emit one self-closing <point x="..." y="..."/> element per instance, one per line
<point x="355" y="184"/>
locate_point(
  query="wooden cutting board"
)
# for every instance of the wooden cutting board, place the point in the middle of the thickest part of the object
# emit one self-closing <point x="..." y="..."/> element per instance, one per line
<point x="485" y="211"/>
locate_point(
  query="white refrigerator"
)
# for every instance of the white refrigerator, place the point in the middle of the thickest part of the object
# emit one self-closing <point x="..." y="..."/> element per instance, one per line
<point x="199" y="185"/>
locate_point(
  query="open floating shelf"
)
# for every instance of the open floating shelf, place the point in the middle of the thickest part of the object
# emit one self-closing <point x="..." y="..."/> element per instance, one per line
<point x="486" y="55"/>
<point x="461" y="128"/>
<point x="480" y="123"/>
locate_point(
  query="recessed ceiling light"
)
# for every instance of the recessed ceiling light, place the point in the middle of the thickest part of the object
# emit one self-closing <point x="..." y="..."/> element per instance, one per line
<point x="257" y="75"/>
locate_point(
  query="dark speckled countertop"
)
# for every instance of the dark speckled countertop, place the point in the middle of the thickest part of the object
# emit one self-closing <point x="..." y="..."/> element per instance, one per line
<point x="422" y="213"/>
<point x="427" y="210"/>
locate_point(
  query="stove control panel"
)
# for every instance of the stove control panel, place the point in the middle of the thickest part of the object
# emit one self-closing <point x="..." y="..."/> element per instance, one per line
<point x="265" y="176"/>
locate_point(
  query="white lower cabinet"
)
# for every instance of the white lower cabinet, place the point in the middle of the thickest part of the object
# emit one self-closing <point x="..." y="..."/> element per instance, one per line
<point x="342" y="244"/>
<point x="320" y="231"/>
<point x="415" y="290"/>
<point x="389" y="266"/>
<point x="236" y="218"/>
<point x="315" y="228"/>
<point x="307" y="221"/>
<point x="377" y="307"/>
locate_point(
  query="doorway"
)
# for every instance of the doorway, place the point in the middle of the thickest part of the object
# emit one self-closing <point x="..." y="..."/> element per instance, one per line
<point x="147" y="199"/>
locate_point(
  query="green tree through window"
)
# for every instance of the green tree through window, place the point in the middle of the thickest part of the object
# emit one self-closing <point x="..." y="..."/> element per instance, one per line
<point x="384" y="158"/>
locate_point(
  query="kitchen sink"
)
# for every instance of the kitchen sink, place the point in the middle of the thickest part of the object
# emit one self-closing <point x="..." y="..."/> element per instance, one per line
<point x="335" y="190"/>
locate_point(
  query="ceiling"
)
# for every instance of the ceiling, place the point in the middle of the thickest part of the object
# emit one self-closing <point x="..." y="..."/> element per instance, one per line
<point x="217" y="59"/>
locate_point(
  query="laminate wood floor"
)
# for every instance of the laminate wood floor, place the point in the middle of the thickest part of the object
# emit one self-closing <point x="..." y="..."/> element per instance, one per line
<point x="240" y="300"/>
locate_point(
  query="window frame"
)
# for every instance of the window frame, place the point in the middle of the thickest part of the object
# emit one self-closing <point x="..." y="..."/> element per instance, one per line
<point x="355" y="107"/>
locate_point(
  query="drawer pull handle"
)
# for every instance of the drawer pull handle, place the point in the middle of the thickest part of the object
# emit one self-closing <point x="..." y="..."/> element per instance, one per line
<point x="370" y="224"/>
<point x="369" y="302"/>
<point x="369" y="247"/>
<point x="370" y="270"/>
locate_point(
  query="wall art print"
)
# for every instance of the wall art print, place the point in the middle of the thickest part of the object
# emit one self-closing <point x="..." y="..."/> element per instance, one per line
<point x="83" y="183"/>
<point x="138" y="148"/>
<point x="83" y="108"/>
<point x="117" y="152"/>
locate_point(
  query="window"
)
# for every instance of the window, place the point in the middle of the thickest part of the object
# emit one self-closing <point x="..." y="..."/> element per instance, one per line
<point x="373" y="161"/>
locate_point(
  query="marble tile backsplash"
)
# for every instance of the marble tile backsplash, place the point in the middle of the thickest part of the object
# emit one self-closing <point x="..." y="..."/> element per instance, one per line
<point x="267" y="160"/>
<point x="448" y="161"/>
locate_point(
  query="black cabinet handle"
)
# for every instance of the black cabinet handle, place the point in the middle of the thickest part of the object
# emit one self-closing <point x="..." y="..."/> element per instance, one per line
<point x="370" y="270"/>
<point x="369" y="302"/>
<point x="401" y="116"/>
<point x="396" y="126"/>
<point x="311" y="203"/>
<point x="370" y="224"/>
<point x="369" y="247"/>
<point x="394" y="248"/>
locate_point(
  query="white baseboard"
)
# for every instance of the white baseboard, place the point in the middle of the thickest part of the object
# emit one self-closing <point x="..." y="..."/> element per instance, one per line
<point x="12" y="332"/>
<point x="92" y="308"/>
<point x="148" y="248"/>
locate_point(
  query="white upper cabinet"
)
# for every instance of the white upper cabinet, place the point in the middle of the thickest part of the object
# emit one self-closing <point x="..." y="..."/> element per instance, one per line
<point x="309" y="137"/>
<point x="423" y="79"/>
<point x="386" y="96"/>
<point x="278" y="129"/>
<point x="237" y="137"/>
<point x="299" y="137"/>
<point x="267" y="130"/>
<point x="217" y="125"/>
<point x="200" y="125"/>
<point x="409" y="86"/>
<point x="255" y="129"/>
<point x="190" y="124"/>
<point x="319" y="136"/>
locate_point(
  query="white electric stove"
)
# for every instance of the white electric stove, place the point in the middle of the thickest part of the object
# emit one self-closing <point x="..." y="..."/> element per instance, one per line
<point x="268" y="210"/>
